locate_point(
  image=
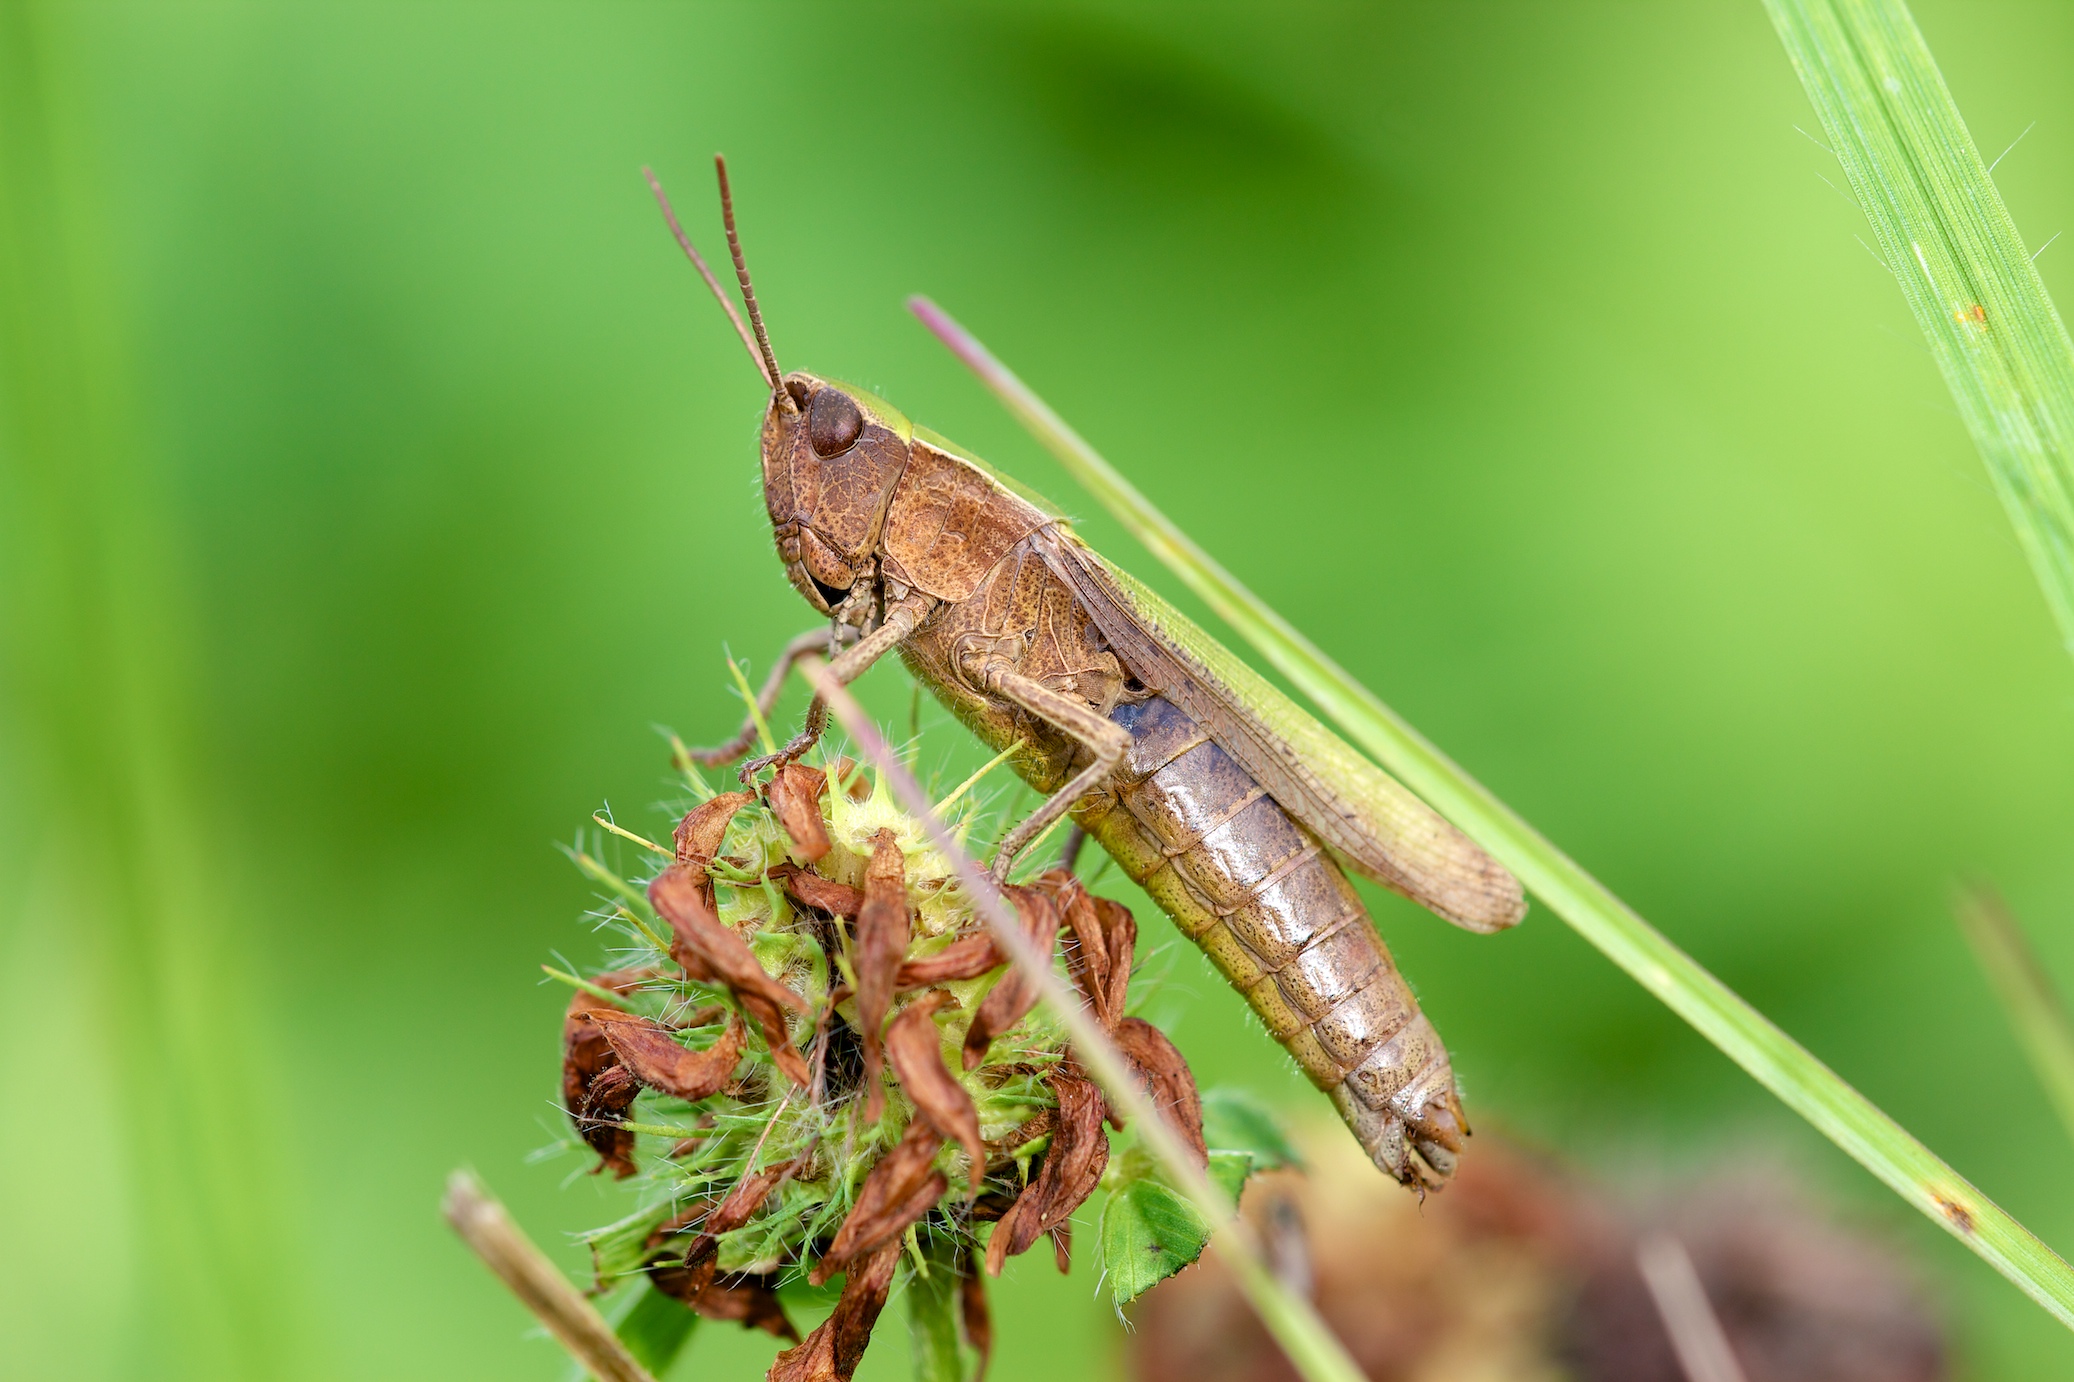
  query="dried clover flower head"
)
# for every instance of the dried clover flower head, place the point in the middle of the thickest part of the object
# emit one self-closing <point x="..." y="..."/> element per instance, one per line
<point x="815" y="1062"/>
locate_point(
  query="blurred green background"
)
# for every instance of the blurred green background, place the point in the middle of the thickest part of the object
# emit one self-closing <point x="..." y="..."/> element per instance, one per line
<point x="374" y="474"/>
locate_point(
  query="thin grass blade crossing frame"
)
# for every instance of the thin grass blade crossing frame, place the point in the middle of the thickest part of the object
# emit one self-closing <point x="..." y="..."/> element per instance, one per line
<point x="2034" y="1008"/>
<point x="1746" y="1036"/>
<point x="1950" y="243"/>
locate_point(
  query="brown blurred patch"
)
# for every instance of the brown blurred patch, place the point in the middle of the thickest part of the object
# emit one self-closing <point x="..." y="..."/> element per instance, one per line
<point x="1525" y="1273"/>
<point x="748" y="1300"/>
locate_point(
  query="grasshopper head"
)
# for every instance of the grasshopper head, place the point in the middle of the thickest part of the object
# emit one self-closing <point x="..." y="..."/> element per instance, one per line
<point x="832" y="454"/>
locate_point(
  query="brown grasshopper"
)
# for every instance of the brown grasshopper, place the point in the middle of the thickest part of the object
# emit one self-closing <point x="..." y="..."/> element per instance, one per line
<point x="1230" y="805"/>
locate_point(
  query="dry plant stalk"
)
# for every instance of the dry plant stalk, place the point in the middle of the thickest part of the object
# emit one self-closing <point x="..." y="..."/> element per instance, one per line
<point x="504" y="1248"/>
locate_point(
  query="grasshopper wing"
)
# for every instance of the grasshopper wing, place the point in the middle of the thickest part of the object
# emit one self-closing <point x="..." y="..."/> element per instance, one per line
<point x="1367" y="817"/>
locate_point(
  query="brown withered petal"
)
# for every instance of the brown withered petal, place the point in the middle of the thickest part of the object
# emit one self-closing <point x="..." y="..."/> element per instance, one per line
<point x="711" y="953"/>
<point x="1012" y="996"/>
<point x="1121" y="930"/>
<point x="656" y="1060"/>
<point x="831" y="1352"/>
<point x="882" y="932"/>
<point x="822" y="894"/>
<point x="978" y="1320"/>
<point x="703" y="828"/>
<point x="966" y="958"/>
<point x="1087" y="953"/>
<point x="586" y="1054"/>
<point x="794" y="795"/>
<point x="915" y="1047"/>
<point x="677" y="1223"/>
<point x="1104" y="943"/>
<point x="604" y="1104"/>
<point x="1062" y="1246"/>
<point x="899" y="1190"/>
<point x="1167" y="1079"/>
<point x="1073" y="1165"/>
<point x="748" y="1300"/>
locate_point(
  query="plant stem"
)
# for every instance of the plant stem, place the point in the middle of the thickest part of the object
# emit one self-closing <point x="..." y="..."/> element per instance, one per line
<point x="1952" y="247"/>
<point x="1291" y="1320"/>
<point x="2034" y="1009"/>
<point x="1681" y="1302"/>
<point x="503" y="1246"/>
<point x="1808" y="1087"/>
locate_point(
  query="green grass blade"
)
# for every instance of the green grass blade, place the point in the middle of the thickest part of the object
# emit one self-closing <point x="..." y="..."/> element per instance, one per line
<point x="1950" y="244"/>
<point x="2028" y="998"/>
<point x="1778" y="1062"/>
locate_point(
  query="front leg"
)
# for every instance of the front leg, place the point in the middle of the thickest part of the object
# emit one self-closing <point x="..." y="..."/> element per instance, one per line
<point x="820" y="642"/>
<point x="853" y="662"/>
<point x="1105" y="740"/>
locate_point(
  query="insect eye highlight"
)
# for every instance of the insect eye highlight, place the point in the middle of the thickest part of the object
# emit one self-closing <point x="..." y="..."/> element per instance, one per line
<point x="834" y="423"/>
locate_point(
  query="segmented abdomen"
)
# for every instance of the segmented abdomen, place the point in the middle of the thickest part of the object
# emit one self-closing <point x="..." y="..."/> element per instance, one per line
<point x="1273" y="911"/>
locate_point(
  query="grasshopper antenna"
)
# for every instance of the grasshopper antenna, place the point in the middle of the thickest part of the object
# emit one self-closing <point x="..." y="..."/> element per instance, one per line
<point x="698" y="262"/>
<point x="734" y="246"/>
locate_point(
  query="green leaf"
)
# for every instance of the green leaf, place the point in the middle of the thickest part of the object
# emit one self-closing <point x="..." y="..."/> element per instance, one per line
<point x="1149" y="1230"/>
<point x="1148" y="1233"/>
<point x="932" y="1312"/>
<point x="1229" y="1169"/>
<point x="1235" y="1120"/>
<point x="654" y="1327"/>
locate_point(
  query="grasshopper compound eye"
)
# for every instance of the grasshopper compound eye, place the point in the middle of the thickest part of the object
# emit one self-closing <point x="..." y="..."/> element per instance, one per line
<point x="833" y="423"/>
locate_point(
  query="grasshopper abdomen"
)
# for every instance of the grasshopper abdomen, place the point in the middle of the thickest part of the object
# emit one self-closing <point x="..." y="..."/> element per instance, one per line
<point x="1262" y="898"/>
<point x="1241" y="877"/>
